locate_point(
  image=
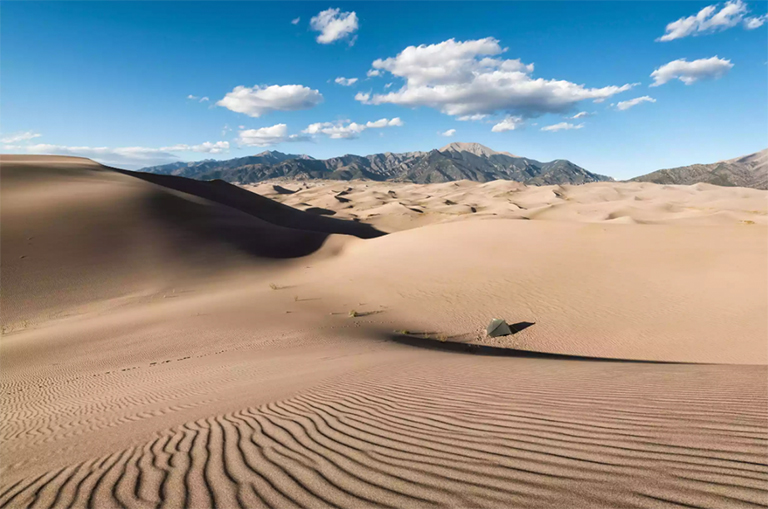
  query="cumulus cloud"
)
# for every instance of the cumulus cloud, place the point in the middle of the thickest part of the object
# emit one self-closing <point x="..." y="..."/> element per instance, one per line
<point x="267" y="136"/>
<point x="709" y="20"/>
<point x="17" y="137"/>
<point x="260" y="100"/>
<point x="373" y="73"/>
<point x="334" y="25"/>
<point x="448" y="133"/>
<point x="508" y="124"/>
<point x="295" y="21"/>
<point x="345" y="129"/>
<point x="124" y="157"/>
<point x="362" y="96"/>
<point x="690" y="72"/>
<point x="466" y="78"/>
<point x="345" y="82"/>
<point x="562" y="126"/>
<point x="625" y="105"/>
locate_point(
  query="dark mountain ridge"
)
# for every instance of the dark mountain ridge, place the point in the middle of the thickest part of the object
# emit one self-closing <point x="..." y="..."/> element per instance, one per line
<point x="456" y="161"/>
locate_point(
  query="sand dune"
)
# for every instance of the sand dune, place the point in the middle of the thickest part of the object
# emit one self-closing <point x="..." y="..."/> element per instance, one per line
<point x="79" y="233"/>
<point x="183" y="344"/>
<point x="393" y="206"/>
<point x="451" y="430"/>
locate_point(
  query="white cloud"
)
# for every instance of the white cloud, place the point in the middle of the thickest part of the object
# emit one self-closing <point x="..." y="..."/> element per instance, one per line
<point x="756" y="22"/>
<point x="362" y="97"/>
<point x="345" y="129"/>
<point x="124" y="157"/>
<point x="373" y="73"/>
<point x="333" y="25"/>
<point x="508" y="124"/>
<point x="471" y="118"/>
<point x="690" y="72"/>
<point x="17" y="137"/>
<point x="209" y="147"/>
<point x="709" y="20"/>
<point x="204" y="99"/>
<point x="266" y="136"/>
<point x="259" y="100"/>
<point x="295" y="21"/>
<point x="388" y="85"/>
<point x="625" y="105"/>
<point x="448" y="133"/>
<point x="345" y="82"/>
<point x="383" y="122"/>
<point x="463" y="78"/>
<point x="198" y="99"/>
<point x="581" y="114"/>
<point x="562" y="126"/>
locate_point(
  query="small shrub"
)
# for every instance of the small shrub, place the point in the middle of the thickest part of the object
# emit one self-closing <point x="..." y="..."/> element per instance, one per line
<point x="273" y="286"/>
<point x="353" y="314"/>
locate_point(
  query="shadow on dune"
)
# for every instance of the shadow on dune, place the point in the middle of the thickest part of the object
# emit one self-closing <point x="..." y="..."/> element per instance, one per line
<point x="425" y="340"/>
<point x="256" y="205"/>
<point x="198" y="224"/>
<point x="74" y="232"/>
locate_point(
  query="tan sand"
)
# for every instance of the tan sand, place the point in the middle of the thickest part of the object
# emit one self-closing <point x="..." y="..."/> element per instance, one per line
<point x="392" y="206"/>
<point x="186" y="344"/>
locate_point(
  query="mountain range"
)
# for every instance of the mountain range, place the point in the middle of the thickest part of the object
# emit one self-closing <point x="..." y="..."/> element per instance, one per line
<point x="746" y="171"/>
<point x="455" y="161"/>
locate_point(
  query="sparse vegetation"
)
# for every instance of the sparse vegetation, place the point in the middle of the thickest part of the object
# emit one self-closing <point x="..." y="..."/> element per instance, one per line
<point x="353" y="313"/>
<point x="274" y="286"/>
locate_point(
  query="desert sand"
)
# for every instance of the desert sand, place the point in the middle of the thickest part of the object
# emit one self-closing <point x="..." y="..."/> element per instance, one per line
<point x="174" y="343"/>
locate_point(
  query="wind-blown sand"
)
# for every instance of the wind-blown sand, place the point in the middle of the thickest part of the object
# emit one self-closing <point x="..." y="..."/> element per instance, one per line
<point x="188" y="344"/>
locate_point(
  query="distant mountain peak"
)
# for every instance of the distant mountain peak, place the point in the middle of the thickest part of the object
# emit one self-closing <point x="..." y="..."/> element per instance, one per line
<point x="473" y="148"/>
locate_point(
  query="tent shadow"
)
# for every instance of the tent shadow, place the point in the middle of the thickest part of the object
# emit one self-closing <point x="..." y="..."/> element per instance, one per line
<point x="520" y="326"/>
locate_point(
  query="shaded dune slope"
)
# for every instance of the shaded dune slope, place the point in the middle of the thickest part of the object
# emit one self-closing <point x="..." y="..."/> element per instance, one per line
<point x="259" y="206"/>
<point x="75" y="232"/>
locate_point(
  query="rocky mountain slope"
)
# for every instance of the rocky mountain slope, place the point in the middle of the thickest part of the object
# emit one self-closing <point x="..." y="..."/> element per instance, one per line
<point x="456" y="161"/>
<point x="747" y="171"/>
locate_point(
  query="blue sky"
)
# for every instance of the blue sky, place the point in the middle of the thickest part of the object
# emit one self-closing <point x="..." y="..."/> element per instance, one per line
<point x="124" y="82"/>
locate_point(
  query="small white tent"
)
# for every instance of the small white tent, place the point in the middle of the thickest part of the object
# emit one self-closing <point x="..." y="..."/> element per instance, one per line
<point x="498" y="327"/>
